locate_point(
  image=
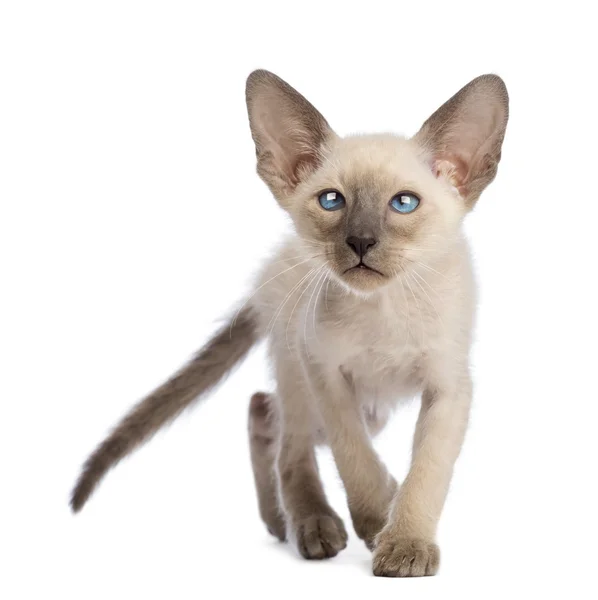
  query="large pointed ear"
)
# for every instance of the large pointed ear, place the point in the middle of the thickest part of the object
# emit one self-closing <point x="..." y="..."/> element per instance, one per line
<point x="464" y="136"/>
<point x="289" y="133"/>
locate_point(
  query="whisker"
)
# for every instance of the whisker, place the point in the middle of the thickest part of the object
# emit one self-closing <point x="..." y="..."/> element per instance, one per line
<point x="306" y="287"/>
<point x="408" y="314"/>
<point x="322" y="280"/>
<point x="428" y="297"/>
<point x="425" y="281"/>
<point x="425" y="266"/>
<point x="431" y="270"/>
<point x="307" y="309"/>
<point x="275" y="262"/>
<point x="258" y="289"/>
<point x="310" y="241"/>
<point x="272" y="322"/>
<point x="421" y="319"/>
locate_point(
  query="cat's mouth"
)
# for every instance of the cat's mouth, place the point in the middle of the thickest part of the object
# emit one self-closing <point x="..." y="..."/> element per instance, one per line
<point x="363" y="267"/>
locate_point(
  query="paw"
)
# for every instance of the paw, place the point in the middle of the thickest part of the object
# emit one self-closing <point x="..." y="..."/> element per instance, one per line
<point x="404" y="557"/>
<point x="320" y="536"/>
<point x="368" y="523"/>
<point x="276" y="527"/>
<point x="367" y="528"/>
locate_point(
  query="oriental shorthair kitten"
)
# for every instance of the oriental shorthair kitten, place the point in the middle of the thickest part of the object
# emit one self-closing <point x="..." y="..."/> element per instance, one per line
<point x="370" y="301"/>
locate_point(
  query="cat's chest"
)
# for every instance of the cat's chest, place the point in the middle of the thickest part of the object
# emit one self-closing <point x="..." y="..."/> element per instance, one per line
<point x="379" y="351"/>
<point x="390" y="362"/>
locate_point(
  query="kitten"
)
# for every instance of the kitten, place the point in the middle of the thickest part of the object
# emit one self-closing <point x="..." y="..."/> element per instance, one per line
<point x="371" y="300"/>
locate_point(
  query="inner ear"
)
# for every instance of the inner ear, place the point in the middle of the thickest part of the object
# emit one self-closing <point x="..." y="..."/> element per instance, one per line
<point x="289" y="133"/>
<point x="464" y="136"/>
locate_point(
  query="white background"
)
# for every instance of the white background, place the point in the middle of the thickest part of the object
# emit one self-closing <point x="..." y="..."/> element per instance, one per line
<point x="132" y="220"/>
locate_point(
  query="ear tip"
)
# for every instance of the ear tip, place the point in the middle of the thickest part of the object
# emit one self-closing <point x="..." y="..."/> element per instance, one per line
<point x="494" y="81"/>
<point x="494" y="85"/>
<point x="259" y="76"/>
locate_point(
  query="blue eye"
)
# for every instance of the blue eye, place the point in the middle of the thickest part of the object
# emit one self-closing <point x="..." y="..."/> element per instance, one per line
<point x="405" y="202"/>
<point x="331" y="200"/>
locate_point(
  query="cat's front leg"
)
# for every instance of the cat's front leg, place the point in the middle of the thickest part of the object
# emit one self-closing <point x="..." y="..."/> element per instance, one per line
<point x="369" y="487"/>
<point x="406" y="547"/>
<point x="312" y="525"/>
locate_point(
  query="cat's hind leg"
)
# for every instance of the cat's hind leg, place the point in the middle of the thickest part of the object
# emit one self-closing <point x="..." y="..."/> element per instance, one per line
<point x="263" y="439"/>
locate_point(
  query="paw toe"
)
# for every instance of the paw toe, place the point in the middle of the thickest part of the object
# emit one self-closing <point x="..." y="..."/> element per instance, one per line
<point x="321" y="537"/>
<point x="406" y="558"/>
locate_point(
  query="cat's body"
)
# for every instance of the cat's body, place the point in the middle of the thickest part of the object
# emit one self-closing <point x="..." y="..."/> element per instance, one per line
<point x="383" y="342"/>
<point x="370" y="301"/>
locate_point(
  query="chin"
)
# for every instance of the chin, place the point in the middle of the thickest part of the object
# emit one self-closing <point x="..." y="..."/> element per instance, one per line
<point x="363" y="281"/>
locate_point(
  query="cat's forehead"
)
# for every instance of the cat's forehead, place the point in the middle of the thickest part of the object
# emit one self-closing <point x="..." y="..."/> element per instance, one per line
<point x="377" y="163"/>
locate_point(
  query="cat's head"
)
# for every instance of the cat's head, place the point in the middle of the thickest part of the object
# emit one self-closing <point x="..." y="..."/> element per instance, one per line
<point x="373" y="207"/>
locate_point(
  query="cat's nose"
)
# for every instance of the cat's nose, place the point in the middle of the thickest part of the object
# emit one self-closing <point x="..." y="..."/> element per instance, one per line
<point x="360" y="245"/>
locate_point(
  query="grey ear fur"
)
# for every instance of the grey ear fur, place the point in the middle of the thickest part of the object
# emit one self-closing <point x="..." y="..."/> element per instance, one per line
<point x="465" y="135"/>
<point x="289" y="133"/>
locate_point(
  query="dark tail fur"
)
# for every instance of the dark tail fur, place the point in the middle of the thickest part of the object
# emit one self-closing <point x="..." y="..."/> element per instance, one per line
<point x="225" y="350"/>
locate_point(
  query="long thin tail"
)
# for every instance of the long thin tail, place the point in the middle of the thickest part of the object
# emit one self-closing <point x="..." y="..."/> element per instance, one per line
<point x="209" y="366"/>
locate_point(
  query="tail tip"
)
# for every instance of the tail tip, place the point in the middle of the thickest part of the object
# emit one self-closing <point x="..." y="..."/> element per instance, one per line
<point x="79" y="496"/>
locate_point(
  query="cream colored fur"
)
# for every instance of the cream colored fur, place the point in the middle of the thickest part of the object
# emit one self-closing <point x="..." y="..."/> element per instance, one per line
<point x="346" y="348"/>
<point x="361" y="307"/>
